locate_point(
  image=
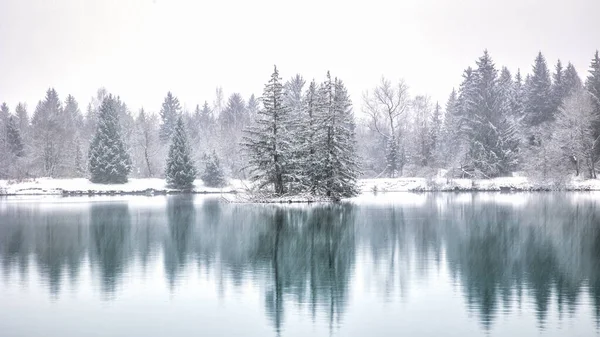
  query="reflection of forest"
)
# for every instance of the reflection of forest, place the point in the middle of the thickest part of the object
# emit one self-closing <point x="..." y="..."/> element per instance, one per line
<point x="545" y="250"/>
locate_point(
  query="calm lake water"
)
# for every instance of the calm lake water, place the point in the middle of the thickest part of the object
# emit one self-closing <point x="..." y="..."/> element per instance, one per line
<point x="387" y="265"/>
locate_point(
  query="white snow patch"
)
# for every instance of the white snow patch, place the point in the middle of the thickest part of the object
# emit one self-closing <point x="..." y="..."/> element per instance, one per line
<point x="49" y="186"/>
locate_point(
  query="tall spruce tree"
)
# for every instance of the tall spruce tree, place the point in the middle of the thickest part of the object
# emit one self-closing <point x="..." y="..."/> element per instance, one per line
<point x="180" y="171"/>
<point x="306" y="159"/>
<point x="519" y="97"/>
<point x="338" y="169"/>
<point x="108" y="161"/>
<point x="539" y="108"/>
<point x="267" y="143"/>
<point x="169" y="113"/>
<point x="49" y="135"/>
<point x="491" y="135"/>
<point x="572" y="81"/>
<point x="592" y="84"/>
<point x="213" y="175"/>
<point x="13" y="138"/>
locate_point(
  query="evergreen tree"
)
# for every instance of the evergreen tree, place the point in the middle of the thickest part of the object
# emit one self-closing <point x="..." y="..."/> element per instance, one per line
<point x="435" y="132"/>
<point x="335" y="138"/>
<point x="294" y="93"/>
<point x="79" y="161"/>
<point x="253" y="106"/>
<point x="180" y="170"/>
<point x="13" y="138"/>
<point x="450" y="137"/>
<point x="169" y="113"/>
<point x="572" y="82"/>
<point x="4" y="113"/>
<point x="234" y="116"/>
<point x="109" y="162"/>
<point x="72" y="121"/>
<point x="558" y="86"/>
<point x="592" y="84"/>
<point x="491" y="135"/>
<point x="539" y="107"/>
<point x="49" y="135"/>
<point x="213" y="175"/>
<point x="305" y="157"/>
<point x="392" y="157"/>
<point x="205" y="118"/>
<point x="268" y="143"/>
<point x="519" y="97"/>
<point x="22" y="119"/>
<point x="4" y="116"/>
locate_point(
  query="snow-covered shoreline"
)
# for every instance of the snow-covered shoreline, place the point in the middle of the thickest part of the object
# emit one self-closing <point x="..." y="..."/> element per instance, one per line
<point x="151" y="186"/>
<point x="82" y="186"/>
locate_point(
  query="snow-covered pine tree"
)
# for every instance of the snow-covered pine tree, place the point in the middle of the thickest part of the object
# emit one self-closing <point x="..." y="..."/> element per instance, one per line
<point x="206" y="119"/>
<point x="592" y="84"/>
<point x="558" y="86"/>
<point x="267" y="142"/>
<point x="108" y="161"/>
<point x="539" y="94"/>
<point x="48" y="132"/>
<point x="79" y="163"/>
<point x="169" y="113"/>
<point x="392" y="157"/>
<point x="293" y="100"/>
<point x="72" y="121"/>
<point x="337" y="168"/>
<point x="435" y="133"/>
<point x="464" y="108"/>
<point x="13" y="138"/>
<point x="519" y="97"/>
<point x="304" y="141"/>
<point x="293" y="90"/>
<point x="180" y="171"/>
<point x="213" y="175"/>
<point x="572" y="81"/>
<point x="449" y="136"/>
<point x="22" y="120"/>
<point x="491" y="134"/>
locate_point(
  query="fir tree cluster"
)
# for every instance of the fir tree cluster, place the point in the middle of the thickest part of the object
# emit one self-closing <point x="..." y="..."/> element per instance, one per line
<point x="304" y="142"/>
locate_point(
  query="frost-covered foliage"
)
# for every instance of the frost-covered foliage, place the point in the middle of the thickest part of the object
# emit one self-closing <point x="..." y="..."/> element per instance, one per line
<point x="337" y="168"/>
<point x="386" y="107"/>
<point x="109" y="162"/>
<point x="180" y="170"/>
<point x="494" y="124"/>
<point x="310" y="149"/>
<point x="574" y="132"/>
<point x="169" y="113"/>
<point x="213" y="175"/>
<point x="267" y="142"/>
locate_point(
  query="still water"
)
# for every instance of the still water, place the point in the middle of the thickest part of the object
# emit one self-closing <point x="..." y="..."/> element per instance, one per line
<point x="387" y="265"/>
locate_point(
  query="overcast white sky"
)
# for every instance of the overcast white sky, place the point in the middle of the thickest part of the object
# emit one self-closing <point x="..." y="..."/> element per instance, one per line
<point x="140" y="49"/>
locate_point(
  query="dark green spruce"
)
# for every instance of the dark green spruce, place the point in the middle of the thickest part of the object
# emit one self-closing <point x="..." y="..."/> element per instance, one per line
<point x="180" y="170"/>
<point x="109" y="162"/>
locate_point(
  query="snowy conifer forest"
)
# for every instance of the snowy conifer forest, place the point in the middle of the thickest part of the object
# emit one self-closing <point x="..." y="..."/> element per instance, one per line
<point x="306" y="136"/>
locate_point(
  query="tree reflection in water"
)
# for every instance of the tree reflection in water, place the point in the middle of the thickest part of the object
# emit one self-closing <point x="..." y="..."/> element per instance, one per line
<point x="544" y="250"/>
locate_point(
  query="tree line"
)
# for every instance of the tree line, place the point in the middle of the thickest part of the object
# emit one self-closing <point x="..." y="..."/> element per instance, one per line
<point x="545" y="124"/>
<point x="301" y="137"/>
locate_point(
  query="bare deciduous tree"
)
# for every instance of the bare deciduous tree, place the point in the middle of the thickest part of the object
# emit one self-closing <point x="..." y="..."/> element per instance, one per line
<point x="386" y="108"/>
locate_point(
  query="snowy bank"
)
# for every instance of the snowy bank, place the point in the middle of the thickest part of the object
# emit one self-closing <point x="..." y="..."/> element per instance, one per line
<point x="82" y="186"/>
<point x="149" y="186"/>
<point x="472" y="185"/>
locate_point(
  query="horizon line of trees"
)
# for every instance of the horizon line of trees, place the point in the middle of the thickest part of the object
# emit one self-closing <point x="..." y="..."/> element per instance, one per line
<point x="545" y="124"/>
